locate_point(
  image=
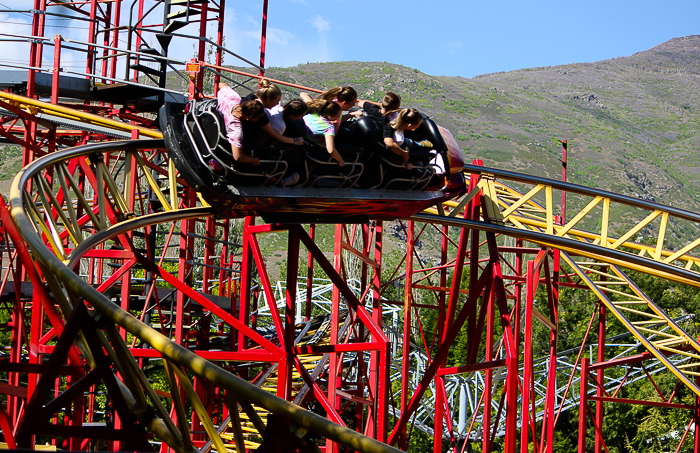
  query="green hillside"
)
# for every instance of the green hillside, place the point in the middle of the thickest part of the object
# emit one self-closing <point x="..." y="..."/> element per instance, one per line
<point x="631" y="122"/>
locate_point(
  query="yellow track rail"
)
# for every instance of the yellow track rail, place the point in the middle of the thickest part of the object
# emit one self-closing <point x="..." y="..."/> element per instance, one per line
<point x="659" y="334"/>
<point x="529" y="215"/>
<point x="41" y="218"/>
<point x="35" y="107"/>
<point x="599" y="255"/>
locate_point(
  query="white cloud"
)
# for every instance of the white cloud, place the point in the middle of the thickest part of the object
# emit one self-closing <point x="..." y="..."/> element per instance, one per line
<point x="14" y="52"/>
<point x="276" y="36"/>
<point x="321" y="24"/>
<point x="284" y="47"/>
<point x="251" y="21"/>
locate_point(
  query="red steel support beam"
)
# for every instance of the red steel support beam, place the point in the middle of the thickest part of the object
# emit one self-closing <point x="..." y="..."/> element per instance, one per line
<point x="600" y="376"/>
<point x="583" y="407"/>
<point x="263" y="38"/>
<point x="309" y="276"/>
<point x="408" y="294"/>
<point x="526" y="422"/>
<point x="334" y="380"/>
<point x="476" y="292"/>
<point x="286" y="366"/>
<point x="564" y="150"/>
<point x="92" y="38"/>
<point x="553" y="298"/>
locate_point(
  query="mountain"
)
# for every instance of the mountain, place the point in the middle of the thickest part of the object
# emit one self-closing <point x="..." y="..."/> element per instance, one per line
<point x="632" y="123"/>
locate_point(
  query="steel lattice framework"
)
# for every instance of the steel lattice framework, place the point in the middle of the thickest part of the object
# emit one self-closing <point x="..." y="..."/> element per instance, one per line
<point x="138" y="320"/>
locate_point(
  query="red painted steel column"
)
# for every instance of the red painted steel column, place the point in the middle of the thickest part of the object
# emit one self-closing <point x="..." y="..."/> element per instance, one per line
<point x="583" y="408"/>
<point x="408" y="294"/>
<point x="56" y="69"/>
<point x="92" y="38"/>
<point x="488" y="374"/>
<point x="554" y="334"/>
<point x="511" y="345"/>
<point x="209" y="256"/>
<point x="284" y="380"/>
<point x="512" y="381"/>
<point x="183" y="274"/>
<point x="518" y="302"/>
<point x="14" y="402"/>
<point x="564" y="150"/>
<point x="439" y="330"/>
<point x="379" y="366"/>
<point x="366" y="233"/>
<point x="220" y="39"/>
<point x="309" y="276"/>
<point x="600" y="378"/>
<point x="439" y="418"/>
<point x="115" y="39"/>
<point x="472" y="213"/>
<point x="105" y="41"/>
<point x="263" y="39"/>
<point x="36" y="51"/>
<point x="202" y="54"/>
<point x="247" y="265"/>
<point x="36" y="48"/>
<point x="333" y="364"/>
<point x="530" y="289"/>
<point x="696" y="417"/>
<point x="512" y="406"/>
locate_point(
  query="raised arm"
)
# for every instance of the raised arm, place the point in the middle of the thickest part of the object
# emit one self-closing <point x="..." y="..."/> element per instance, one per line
<point x="361" y="103"/>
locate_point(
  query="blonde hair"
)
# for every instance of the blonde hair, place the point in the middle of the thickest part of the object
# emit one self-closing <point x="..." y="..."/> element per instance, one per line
<point x="406" y="117"/>
<point x="327" y="109"/>
<point x="267" y="90"/>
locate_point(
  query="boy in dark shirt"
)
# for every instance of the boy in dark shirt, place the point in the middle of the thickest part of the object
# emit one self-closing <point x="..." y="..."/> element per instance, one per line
<point x="383" y="113"/>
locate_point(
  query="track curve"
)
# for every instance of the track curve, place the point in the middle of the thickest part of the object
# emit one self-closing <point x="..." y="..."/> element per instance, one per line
<point x="43" y="214"/>
<point x="28" y="220"/>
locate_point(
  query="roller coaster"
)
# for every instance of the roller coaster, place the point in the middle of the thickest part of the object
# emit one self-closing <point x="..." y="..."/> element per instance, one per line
<point x="136" y="317"/>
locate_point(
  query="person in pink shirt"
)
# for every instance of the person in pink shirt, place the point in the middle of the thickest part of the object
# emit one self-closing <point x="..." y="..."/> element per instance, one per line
<point x="233" y="111"/>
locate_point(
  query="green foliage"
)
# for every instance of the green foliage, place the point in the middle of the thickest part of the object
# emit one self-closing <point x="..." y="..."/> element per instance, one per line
<point x="10" y="161"/>
<point x="625" y="121"/>
<point x="493" y="155"/>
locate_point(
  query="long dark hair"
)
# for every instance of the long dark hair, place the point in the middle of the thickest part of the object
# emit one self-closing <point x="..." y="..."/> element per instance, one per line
<point x="345" y="94"/>
<point x="250" y="109"/>
<point x="327" y="109"/>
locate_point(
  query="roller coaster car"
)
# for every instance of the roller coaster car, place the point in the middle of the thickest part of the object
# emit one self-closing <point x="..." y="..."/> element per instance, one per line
<point x="372" y="184"/>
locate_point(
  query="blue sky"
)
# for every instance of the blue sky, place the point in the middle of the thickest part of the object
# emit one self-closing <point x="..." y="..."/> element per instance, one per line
<point x="439" y="37"/>
<point x="459" y="38"/>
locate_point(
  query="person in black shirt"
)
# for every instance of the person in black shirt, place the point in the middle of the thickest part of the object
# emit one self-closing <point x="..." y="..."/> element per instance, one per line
<point x="382" y="114"/>
<point x="259" y="132"/>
